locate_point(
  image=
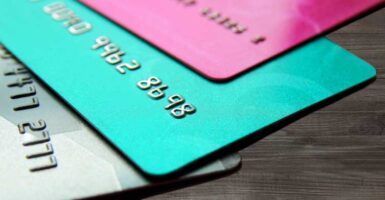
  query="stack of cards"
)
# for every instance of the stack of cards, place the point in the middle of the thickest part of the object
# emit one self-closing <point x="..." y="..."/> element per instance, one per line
<point x="46" y="148"/>
<point x="153" y="94"/>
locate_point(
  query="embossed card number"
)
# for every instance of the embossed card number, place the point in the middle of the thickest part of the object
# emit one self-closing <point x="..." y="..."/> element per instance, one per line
<point x="113" y="55"/>
<point x="178" y="108"/>
<point x="35" y="136"/>
<point x="60" y="12"/>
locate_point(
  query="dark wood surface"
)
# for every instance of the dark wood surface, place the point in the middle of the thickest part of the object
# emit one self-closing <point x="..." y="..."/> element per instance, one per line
<point x="337" y="152"/>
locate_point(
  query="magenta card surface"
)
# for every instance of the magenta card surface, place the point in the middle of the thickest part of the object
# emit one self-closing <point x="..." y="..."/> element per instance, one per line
<point x="223" y="38"/>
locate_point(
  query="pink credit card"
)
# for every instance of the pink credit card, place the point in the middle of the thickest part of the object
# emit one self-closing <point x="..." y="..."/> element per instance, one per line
<point x="221" y="39"/>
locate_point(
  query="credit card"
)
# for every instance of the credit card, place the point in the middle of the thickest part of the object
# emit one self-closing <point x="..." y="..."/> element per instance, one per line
<point x="221" y="39"/>
<point x="48" y="153"/>
<point x="160" y="114"/>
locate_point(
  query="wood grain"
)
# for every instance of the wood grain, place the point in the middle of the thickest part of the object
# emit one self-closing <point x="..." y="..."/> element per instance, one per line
<point x="337" y="152"/>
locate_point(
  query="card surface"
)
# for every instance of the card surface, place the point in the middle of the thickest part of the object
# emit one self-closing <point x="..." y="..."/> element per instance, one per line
<point x="220" y="39"/>
<point x="160" y="114"/>
<point x="50" y="153"/>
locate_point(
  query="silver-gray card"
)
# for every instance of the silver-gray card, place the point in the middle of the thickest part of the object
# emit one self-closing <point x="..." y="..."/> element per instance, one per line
<point x="47" y="152"/>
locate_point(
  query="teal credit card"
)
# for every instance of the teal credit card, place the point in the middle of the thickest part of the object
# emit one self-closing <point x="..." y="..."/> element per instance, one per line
<point x="160" y="114"/>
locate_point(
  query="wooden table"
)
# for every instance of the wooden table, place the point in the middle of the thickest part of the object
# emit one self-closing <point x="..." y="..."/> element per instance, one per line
<point x="337" y="152"/>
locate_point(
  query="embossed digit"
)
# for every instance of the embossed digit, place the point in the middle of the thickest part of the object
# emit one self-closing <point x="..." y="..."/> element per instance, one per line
<point x="109" y="49"/>
<point x="101" y="41"/>
<point x="174" y="101"/>
<point x="34" y="104"/>
<point x="40" y="125"/>
<point x="146" y="84"/>
<point x="134" y="65"/>
<point x="31" y="92"/>
<point x="183" y="110"/>
<point x="20" y="82"/>
<point x="51" y="164"/>
<point x="53" y="7"/>
<point x="80" y="28"/>
<point x="115" y="58"/>
<point x="17" y="71"/>
<point x="157" y="92"/>
<point x="30" y="139"/>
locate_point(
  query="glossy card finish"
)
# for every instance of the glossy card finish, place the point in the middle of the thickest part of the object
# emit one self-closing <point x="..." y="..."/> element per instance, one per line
<point x="160" y="114"/>
<point x="220" y="39"/>
<point x="71" y="161"/>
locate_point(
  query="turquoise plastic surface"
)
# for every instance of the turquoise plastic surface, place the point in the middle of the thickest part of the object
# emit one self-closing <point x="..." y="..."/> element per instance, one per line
<point x="140" y="126"/>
